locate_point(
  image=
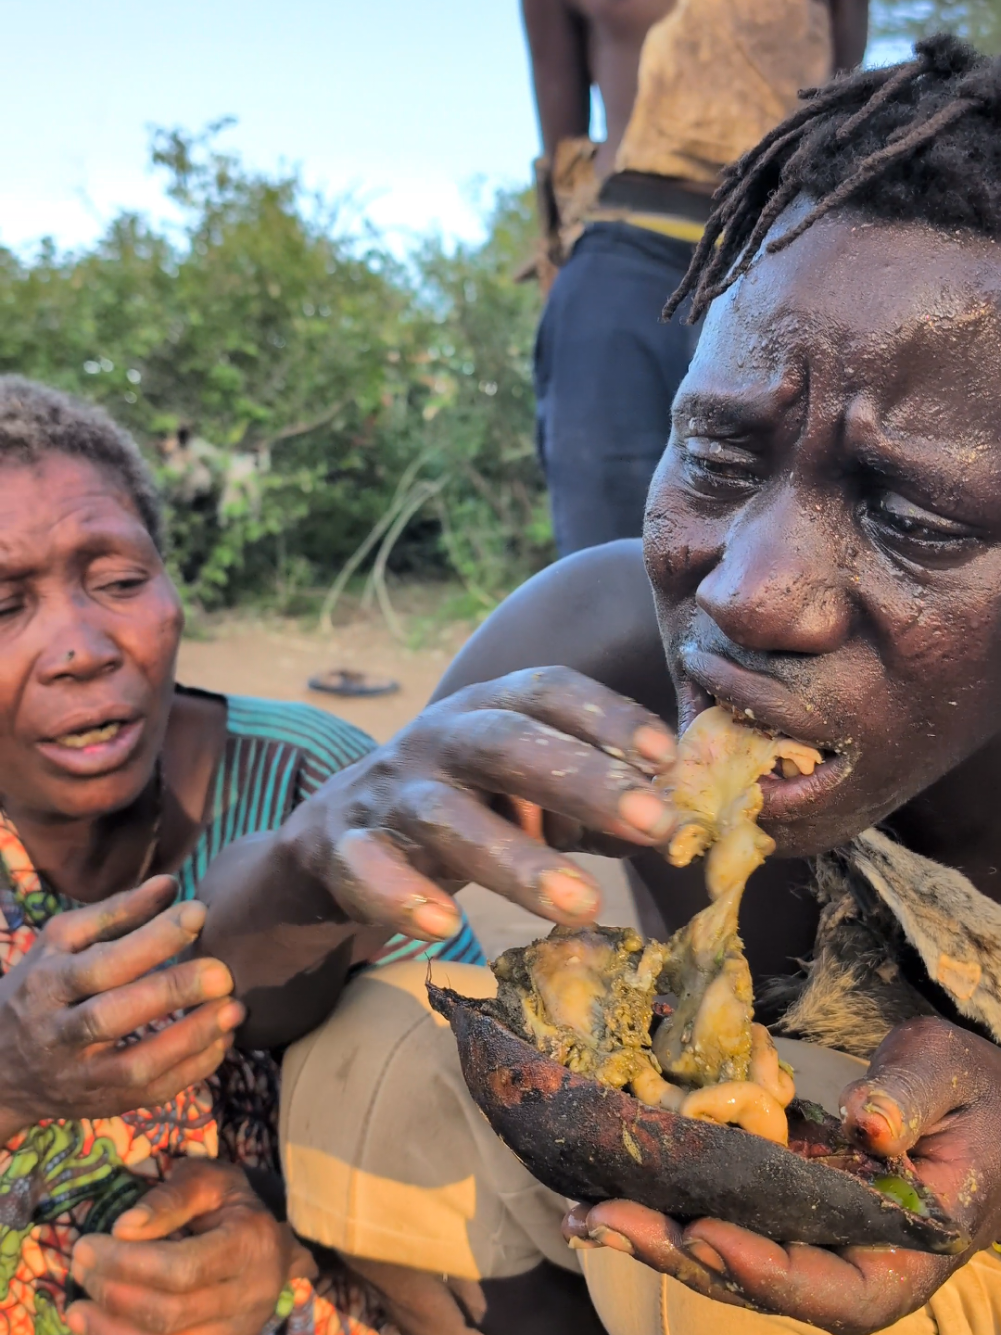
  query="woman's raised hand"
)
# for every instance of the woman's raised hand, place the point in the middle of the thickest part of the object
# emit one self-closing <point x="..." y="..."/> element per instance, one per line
<point x="94" y="976"/>
<point x="437" y="807"/>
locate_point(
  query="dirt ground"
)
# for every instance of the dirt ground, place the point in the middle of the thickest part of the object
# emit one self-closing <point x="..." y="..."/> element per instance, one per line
<point x="247" y="655"/>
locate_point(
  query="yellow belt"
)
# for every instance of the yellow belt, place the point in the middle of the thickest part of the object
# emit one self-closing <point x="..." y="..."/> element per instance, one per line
<point x="682" y="229"/>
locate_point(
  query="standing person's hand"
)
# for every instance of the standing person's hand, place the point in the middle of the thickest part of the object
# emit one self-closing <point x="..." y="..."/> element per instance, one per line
<point x="569" y="759"/>
<point x="933" y="1091"/>
<point x="224" y="1277"/>
<point x="92" y="978"/>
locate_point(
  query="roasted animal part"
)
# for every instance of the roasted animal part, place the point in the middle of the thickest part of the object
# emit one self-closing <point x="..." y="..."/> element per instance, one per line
<point x="714" y="788"/>
<point x="591" y="1143"/>
<point x="585" y="998"/>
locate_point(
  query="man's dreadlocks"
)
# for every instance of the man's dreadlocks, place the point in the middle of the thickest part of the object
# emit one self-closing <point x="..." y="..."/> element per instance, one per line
<point x="917" y="141"/>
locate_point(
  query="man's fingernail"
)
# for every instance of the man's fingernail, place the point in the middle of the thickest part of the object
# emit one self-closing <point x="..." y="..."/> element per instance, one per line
<point x="231" y="1017"/>
<point x="607" y="1237"/>
<point x="191" y="917"/>
<point x="647" y="813"/>
<point x="77" y="1322"/>
<point x="705" y="1255"/>
<point x="880" y="1120"/>
<point x="569" y="892"/>
<point x="655" y="744"/>
<point x="138" y="1217"/>
<point x="582" y="1244"/>
<point x="434" y="921"/>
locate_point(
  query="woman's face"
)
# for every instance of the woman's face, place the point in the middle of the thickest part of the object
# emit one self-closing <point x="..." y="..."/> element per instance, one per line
<point x="824" y="531"/>
<point x="89" y="628"/>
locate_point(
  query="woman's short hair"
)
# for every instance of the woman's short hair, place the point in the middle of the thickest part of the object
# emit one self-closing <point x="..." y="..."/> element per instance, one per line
<point x="36" y="420"/>
<point x="920" y="141"/>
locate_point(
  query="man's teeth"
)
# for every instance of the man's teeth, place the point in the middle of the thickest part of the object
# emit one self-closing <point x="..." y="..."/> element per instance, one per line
<point x="93" y="737"/>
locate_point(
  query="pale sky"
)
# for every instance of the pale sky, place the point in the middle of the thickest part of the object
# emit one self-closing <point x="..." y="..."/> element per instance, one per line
<point x="414" y="108"/>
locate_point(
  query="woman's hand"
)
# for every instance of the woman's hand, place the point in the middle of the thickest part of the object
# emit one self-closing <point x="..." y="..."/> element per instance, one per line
<point x="932" y="1091"/>
<point x="92" y="978"/>
<point x="224" y="1278"/>
<point x="436" y="807"/>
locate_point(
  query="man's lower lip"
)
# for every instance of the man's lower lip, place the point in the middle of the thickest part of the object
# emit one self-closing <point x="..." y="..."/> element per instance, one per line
<point x="788" y="798"/>
<point x="98" y="758"/>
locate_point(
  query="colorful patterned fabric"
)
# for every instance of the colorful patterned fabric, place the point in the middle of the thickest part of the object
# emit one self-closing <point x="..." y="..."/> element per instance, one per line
<point x="62" y="1179"/>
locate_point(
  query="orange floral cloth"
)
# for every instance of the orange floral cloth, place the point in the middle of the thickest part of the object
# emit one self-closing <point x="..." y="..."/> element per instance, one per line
<point x="62" y="1179"/>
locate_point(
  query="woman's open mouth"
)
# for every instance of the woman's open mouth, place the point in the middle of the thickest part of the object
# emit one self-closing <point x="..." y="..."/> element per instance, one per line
<point x="95" y="748"/>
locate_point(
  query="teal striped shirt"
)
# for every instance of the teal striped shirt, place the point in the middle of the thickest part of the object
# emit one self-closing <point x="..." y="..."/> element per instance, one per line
<point x="277" y="754"/>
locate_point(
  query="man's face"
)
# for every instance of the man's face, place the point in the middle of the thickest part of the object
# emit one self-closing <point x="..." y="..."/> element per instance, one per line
<point x="823" y="534"/>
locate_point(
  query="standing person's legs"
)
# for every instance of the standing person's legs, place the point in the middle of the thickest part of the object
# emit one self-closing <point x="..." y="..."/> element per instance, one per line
<point x="606" y="374"/>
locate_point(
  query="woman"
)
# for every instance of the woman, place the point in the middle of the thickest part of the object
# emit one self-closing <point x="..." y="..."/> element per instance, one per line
<point x="111" y="774"/>
<point x="823" y="546"/>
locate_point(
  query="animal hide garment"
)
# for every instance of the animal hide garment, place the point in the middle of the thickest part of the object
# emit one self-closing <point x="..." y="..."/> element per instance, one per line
<point x="882" y="907"/>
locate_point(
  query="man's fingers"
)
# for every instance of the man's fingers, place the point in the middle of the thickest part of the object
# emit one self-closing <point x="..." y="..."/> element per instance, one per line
<point x="111" y="918"/>
<point x="101" y="967"/>
<point x="499" y="751"/>
<point x="472" y="843"/>
<point x="582" y="708"/>
<point x="142" y="1309"/>
<point x="123" y="1010"/>
<point x="856" y="1290"/>
<point x="921" y="1072"/>
<point x="655" y="1240"/>
<point x="142" y="1065"/>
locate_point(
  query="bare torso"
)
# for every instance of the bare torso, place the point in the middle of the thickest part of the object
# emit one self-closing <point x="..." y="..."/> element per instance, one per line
<point x="616" y="30"/>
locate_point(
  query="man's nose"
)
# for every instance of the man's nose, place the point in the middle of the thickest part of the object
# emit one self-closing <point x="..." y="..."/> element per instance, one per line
<point x="779" y="585"/>
<point x="77" y="646"/>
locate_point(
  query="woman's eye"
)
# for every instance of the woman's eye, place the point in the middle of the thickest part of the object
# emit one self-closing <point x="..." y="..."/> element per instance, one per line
<point x="905" y="519"/>
<point x="9" y="607"/>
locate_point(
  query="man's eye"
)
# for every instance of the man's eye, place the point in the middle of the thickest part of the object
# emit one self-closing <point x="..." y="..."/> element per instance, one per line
<point x="905" y="519"/>
<point x="9" y="607"/>
<point x="717" y="459"/>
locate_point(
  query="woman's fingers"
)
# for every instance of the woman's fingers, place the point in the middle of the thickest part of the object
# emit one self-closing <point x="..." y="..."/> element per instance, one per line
<point x="121" y="1011"/>
<point x="142" y="1065"/>
<point x="497" y="750"/>
<point x="582" y="708"/>
<point x="107" y="965"/>
<point x="110" y="919"/>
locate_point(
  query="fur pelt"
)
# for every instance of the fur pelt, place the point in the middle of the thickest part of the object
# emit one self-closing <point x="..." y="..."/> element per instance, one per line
<point x="879" y="897"/>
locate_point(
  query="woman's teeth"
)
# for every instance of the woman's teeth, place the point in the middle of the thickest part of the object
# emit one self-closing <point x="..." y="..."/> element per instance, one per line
<point x="92" y="737"/>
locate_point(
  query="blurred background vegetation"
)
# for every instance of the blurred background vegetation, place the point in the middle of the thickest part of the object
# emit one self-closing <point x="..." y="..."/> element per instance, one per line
<point x="306" y="398"/>
<point x="318" y="411"/>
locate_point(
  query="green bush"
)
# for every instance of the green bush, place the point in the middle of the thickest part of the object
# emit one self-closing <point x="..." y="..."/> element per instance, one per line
<point x="979" y="21"/>
<point x="297" y="388"/>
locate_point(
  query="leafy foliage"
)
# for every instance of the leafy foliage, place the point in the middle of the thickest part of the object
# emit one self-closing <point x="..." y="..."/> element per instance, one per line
<point x="979" y="21"/>
<point x="296" y="386"/>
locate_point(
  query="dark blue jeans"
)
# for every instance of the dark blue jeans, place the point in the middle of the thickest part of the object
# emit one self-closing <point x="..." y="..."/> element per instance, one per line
<point x="606" y="372"/>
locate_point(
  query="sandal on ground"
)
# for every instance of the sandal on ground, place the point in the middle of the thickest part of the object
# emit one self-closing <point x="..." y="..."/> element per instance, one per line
<point x="342" y="681"/>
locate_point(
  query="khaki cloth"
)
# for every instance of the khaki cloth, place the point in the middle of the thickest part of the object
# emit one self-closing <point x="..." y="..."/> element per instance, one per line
<point x="386" y="1156"/>
<point x="715" y="76"/>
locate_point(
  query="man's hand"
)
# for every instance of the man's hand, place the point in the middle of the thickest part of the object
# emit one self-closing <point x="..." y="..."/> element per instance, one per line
<point x="224" y="1278"/>
<point x="932" y="1091"/>
<point x="434" y="808"/>
<point x="91" y="979"/>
